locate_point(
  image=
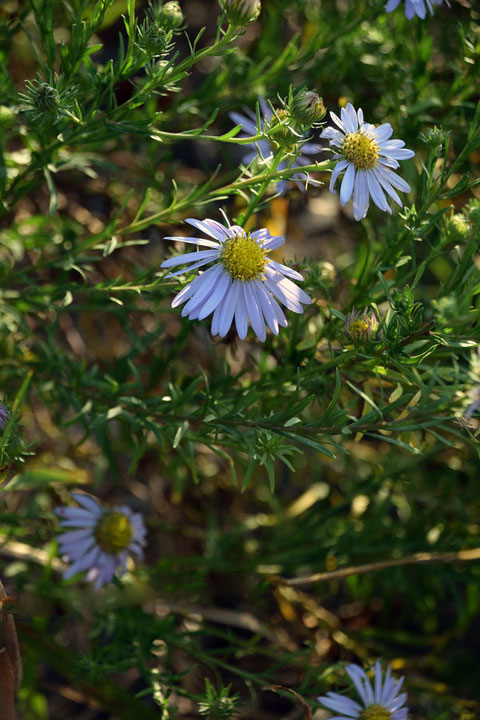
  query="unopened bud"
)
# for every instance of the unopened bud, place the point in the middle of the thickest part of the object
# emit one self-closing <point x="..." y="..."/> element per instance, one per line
<point x="281" y="131"/>
<point x="240" y="12"/>
<point x="456" y="228"/>
<point x="307" y="107"/>
<point x="46" y="97"/>
<point x="170" y="15"/>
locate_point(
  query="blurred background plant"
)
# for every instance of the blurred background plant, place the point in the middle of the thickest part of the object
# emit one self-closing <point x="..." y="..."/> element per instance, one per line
<point x="249" y="462"/>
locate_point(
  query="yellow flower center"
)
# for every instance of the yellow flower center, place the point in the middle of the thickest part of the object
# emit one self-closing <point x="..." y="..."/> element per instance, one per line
<point x="360" y="150"/>
<point x="375" y="712"/>
<point x="359" y="329"/>
<point x="242" y="258"/>
<point x="113" y="532"/>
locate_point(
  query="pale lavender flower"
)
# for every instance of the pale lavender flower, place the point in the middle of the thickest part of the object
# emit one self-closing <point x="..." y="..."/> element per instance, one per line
<point x="262" y="149"/>
<point x="102" y="539"/>
<point x="242" y="284"/>
<point x="381" y="700"/>
<point x="368" y="156"/>
<point x="4" y="416"/>
<point x="361" y="326"/>
<point x="413" y="7"/>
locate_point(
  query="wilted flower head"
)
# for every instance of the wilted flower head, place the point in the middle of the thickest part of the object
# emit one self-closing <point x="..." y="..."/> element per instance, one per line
<point x="242" y="283"/>
<point x="361" y="327"/>
<point x="307" y="107"/>
<point x="102" y="540"/>
<point x="381" y="700"/>
<point x="240" y="12"/>
<point x="4" y="416"/>
<point x="413" y="7"/>
<point x="368" y="156"/>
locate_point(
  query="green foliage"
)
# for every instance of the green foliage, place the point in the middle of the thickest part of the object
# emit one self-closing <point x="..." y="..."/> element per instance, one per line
<point x="250" y="461"/>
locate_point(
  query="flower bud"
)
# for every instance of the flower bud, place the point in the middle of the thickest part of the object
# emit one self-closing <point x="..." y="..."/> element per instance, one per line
<point x="282" y="133"/>
<point x="46" y="97"/>
<point x="153" y="39"/>
<point x="240" y="12"/>
<point x="456" y="229"/>
<point x="361" y="327"/>
<point x="170" y="15"/>
<point x="307" y="107"/>
<point x="473" y="212"/>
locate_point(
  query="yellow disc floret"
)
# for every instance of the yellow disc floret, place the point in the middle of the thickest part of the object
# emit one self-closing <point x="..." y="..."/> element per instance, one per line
<point x="243" y="258"/>
<point x="113" y="532"/>
<point x="361" y="150"/>
<point x="359" y="329"/>
<point x="375" y="712"/>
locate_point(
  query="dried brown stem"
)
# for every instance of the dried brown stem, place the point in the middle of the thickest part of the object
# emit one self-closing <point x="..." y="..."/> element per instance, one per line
<point x="417" y="559"/>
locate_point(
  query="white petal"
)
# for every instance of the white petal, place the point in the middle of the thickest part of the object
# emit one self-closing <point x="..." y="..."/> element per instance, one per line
<point x="209" y="227"/>
<point x="83" y="564"/>
<point x="204" y="292"/>
<point x="338" y="122"/>
<point x="228" y="308"/>
<point x="347" y="185"/>
<point x="265" y="302"/>
<point x="254" y="312"/>
<point x="393" y="179"/>
<point x="383" y="132"/>
<point x="341" y="165"/>
<point x="189" y="257"/>
<point x="217" y="296"/>
<point x="241" y="321"/>
<point x="387" y="187"/>
<point x="360" y="196"/>
<point x="88" y="503"/>
<point x="377" y="193"/>
<point x="193" y="241"/>
<point x="289" y="272"/>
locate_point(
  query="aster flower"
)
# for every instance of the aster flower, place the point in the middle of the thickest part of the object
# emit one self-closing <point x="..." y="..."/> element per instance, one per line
<point x="263" y="148"/>
<point x="380" y="701"/>
<point x="361" y="326"/>
<point x="243" y="282"/>
<point x="413" y="7"/>
<point x="101" y="540"/>
<point x="4" y="416"/>
<point x="368" y="156"/>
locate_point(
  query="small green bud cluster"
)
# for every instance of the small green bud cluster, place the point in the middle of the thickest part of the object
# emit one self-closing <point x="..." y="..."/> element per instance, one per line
<point x="307" y="108"/>
<point x="457" y="229"/>
<point x="435" y="137"/>
<point x="240" y="12"/>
